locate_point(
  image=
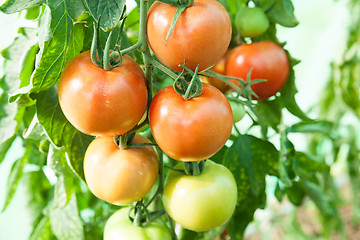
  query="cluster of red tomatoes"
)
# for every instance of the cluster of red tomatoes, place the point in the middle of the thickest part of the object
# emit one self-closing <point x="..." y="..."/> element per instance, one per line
<point x="109" y="104"/>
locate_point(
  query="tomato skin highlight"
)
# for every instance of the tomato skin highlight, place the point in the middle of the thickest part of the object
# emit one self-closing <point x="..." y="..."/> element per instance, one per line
<point x="120" y="176"/>
<point x="201" y="35"/>
<point x="99" y="102"/>
<point x="267" y="60"/>
<point x="119" y="227"/>
<point x="203" y="202"/>
<point x="190" y="130"/>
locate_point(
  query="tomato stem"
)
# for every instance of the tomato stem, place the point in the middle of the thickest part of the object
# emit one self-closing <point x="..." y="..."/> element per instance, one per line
<point x="194" y="168"/>
<point x="160" y="188"/>
<point x="188" y="90"/>
<point x="165" y="69"/>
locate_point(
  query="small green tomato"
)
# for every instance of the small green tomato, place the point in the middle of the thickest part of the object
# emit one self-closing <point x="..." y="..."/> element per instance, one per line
<point x="238" y="110"/>
<point x="119" y="227"/>
<point x="251" y="22"/>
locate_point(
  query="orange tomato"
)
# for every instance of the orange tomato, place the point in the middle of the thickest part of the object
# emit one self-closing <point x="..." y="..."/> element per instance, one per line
<point x="190" y="130"/>
<point x="201" y="35"/>
<point x="120" y="176"/>
<point x="99" y="102"/>
<point x="267" y="60"/>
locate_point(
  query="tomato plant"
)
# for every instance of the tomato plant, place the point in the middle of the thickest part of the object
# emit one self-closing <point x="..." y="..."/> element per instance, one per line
<point x="99" y="102"/>
<point x="251" y="22"/>
<point x="120" y="176"/>
<point x="219" y="67"/>
<point x="190" y="130"/>
<point x="266" y="60"/>
<point x="85" y="98"/>
<point x="203" y="202"/>
<point x="201" y="35"/>
<point x="120" y="227"/>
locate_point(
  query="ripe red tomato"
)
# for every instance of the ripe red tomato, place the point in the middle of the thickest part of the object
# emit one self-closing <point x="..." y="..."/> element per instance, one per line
<point x="120" y="176"/>
<point x="202" y="202"/>
<point x="201" y="34"/>
<point x="190" y="130"/>
<point x="219" y="67"/>
<point x="99" y="102"/>
<point x="266" y="59"/>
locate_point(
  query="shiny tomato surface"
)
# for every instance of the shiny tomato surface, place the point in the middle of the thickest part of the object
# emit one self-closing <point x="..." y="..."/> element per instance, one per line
<point x="99" y="102"/>
<point x="201" y="35"/>
<point x="190" y="130"/>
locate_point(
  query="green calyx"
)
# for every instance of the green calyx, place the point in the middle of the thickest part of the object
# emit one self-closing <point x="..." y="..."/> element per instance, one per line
<point x="142" y="216"/>
<point x="180" y="5"/>
<point x="194" y="168"/>
<point x="184" y="88"/>
<point x="106" y="59"/>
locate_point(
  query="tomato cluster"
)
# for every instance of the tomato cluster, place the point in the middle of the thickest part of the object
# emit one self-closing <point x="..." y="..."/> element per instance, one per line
<point x="109" y="104"/>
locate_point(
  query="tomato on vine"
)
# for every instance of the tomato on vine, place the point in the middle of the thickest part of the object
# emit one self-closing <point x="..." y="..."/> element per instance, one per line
<point x="190" y="130"/>
<point x="219" y="67"/>
<point x="251" y="22"/>
<point x="266" y="59"/>
<point x="120" y="176"/>
<point x="120" y="227"/>
<point x="201" y="34"/>
<point x="202" y="202"/>
<point x="99" y="102"/>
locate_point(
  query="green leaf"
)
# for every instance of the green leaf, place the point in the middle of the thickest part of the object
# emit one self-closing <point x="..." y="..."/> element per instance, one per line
<point x="269" y="113"/>
<point x="249" y="159"/>
<point x="110" y="11"/>
<point x="13" y="6"/>
<point x="320" y="126"/>
<point x="208" y="235"/>
<point x="5" y="146"/>
<point x="64" y="186"/>
<point x="295" y="193"/>
<point x="282" y="12"/>
<point x="35" y="131"/>
<point x="320" y="198"/>
<point x="16" y="173"/>
<point x="75" y="148"/>
<point x="219" y="156"/>
<point x="60" y="131"/>
<point x="33" y="13"/>
<point x="42" y="231"/>
<point x="10" y="118"/>
<point x="350" y="84"/>
<point x="288" y="94"/>
<point x="15" y="58"/>
<point x="27" y="69"/>
<point x="253" y="157"/>
<point x="66" y="223"/>
<point x="51" y="117"/>
<point x="65" y="43"/>
<point x="306" y="165"/>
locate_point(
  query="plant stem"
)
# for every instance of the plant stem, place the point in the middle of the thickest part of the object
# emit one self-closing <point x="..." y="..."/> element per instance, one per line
<point x="160" y="188"/>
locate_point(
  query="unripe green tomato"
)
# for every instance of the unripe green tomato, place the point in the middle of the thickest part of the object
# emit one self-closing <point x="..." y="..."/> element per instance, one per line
<point x="119" y="227"/>
<point x="203" y="202"/>
<point x="238" y="110"/>
<point x="251" y="22"/>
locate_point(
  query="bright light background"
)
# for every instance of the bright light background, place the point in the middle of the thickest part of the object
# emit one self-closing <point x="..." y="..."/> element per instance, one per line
<point x="319" y="38"/>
